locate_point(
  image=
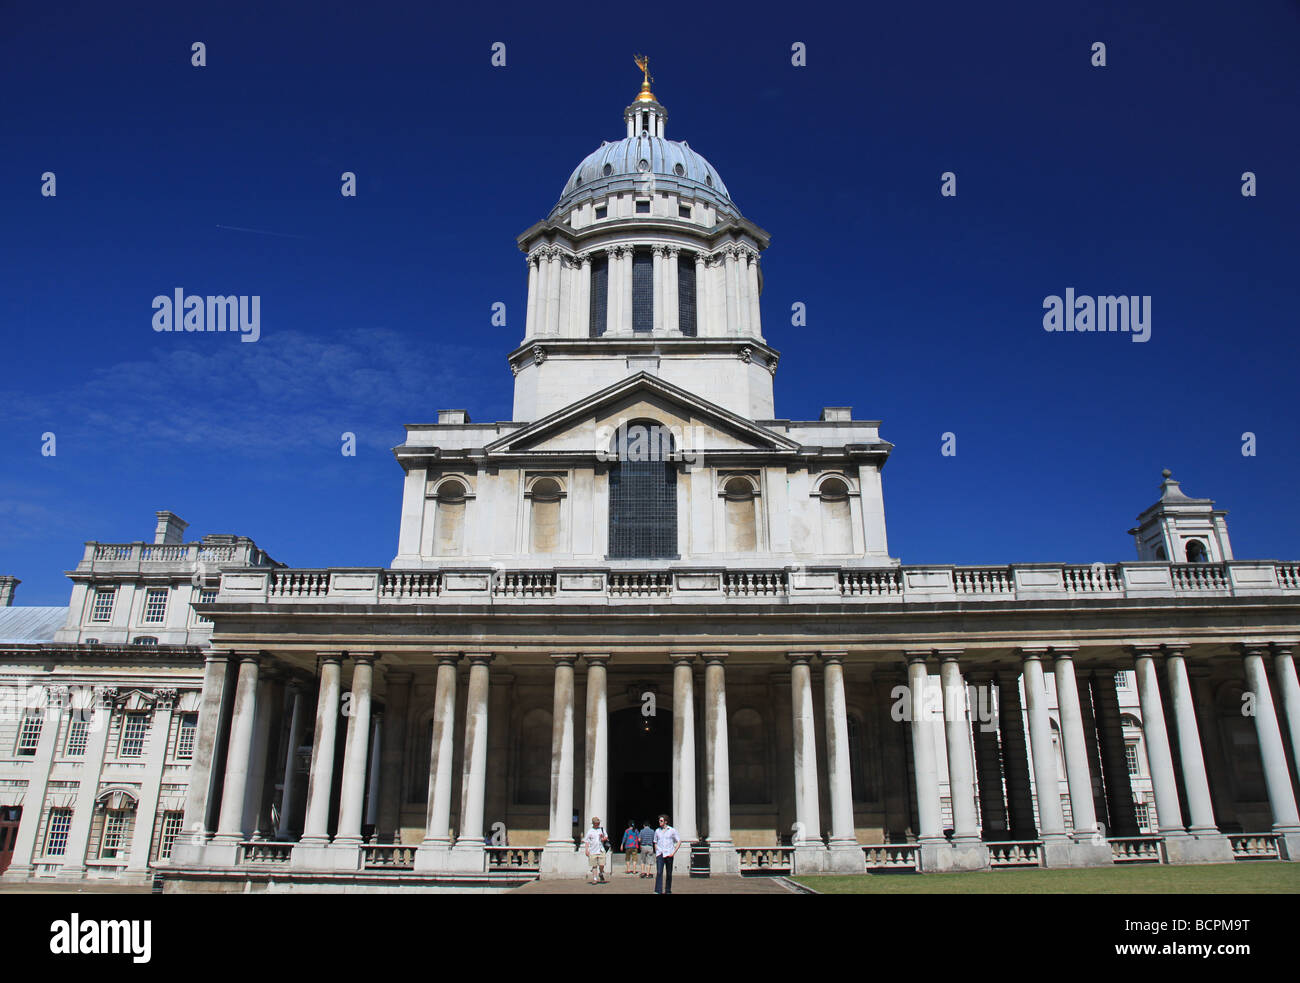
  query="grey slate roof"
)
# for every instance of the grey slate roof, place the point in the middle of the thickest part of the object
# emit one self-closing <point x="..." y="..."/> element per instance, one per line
<point x="31" y="624"/>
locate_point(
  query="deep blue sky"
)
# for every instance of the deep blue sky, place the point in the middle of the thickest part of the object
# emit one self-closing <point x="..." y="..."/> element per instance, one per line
<point x="924" y="312"/>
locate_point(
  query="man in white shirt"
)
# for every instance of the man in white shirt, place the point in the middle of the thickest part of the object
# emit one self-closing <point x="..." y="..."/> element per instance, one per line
<point x="594" y="844"/>
<point x="667" y="843"/>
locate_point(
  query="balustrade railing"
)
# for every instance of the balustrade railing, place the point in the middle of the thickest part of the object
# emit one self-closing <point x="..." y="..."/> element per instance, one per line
<point x="112" y="552"/>
<point x="526" y="584"/>
<point x="766" y="859"/>
<point x="983" y="580"/>
<point x="526" y="859"/>
<point x="1253" y="846"/>
<point x="891" y="856"/>
<point x="1288" y="576"/>
<point x="871" y="583"/>
<point x="754" y="583"/>
<point x="1199" y="576"/>
<point x="397" y="583"/>
<point x="387" y="856"/>
<point x="264" y="852"/>
<point x="1099" y="579"/>
<point x="1137" y="849"/>
<point x="649" y="583"/>
<point x="300" y="583"/>
<point x="1016" y="853"/>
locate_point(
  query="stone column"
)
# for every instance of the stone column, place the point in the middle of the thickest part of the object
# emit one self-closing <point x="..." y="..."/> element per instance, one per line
<point x="755" y="326"/>
<point x="1205" y="844"/>
<point x="92" y="767"/>
<point x="469" y="842"/>
<point x="356" y="752"/>
<point x="657" y="294"/>
<point x="968" y="852"/>
<point x="717" y="778"/>
<point x="1089" y="848"/>
<point x="320" y="777"/>
<point x="582" y="312"/>
<point x="613" y="290"/>
<point x="935" y="853"/>
<point x="597" y="743"/>
<point x="374" y="771"/>
<point x="553" y="274"/>
<point x="559" y="856"/>
<point x="1277" y="778"/>
<point x="1284" y="670"/>
<point x="672" y="319"/>
<point x="390" y="784"/>
<point x="1169" y="814"/>
<point x="684" y="748"/>
<point x="204" y="775"/>
<point x="438" y="831"/>
<point x="702" y="320"/>
<point x="844" y="854"/>
<point x="625" y="291"/>
<point x="732" y="295"/>
<point x="530" y="327"/>
<point x="230" y="827"/>
<point x="742" y="290"/>
<point x="1047" y="782"/>
<point x="284" y="830"/>
<point x="808" y="827"/>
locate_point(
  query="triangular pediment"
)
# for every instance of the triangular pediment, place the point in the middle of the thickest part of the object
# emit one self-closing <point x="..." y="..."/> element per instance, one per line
<point x="588" y="424"/>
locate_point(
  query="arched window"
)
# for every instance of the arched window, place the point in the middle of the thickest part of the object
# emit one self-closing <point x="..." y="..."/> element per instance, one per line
<point x="748" y="754"/>
<point x="1196" y="552"/>
<point x="449" y="519"/>
<point x="533" y="759"/>
<point x="837" y="516"/>
<point x="544" y="524"/>
<point x="643" y="493"/>
<point x="741" y="515"/>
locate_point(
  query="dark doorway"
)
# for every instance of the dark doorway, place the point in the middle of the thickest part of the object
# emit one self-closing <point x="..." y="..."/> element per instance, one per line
<point x="640" y="768"/>
<point x="10" y="817"/>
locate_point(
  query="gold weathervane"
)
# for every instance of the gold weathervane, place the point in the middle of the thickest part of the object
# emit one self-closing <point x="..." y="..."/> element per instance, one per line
<point x="643" y="63"/>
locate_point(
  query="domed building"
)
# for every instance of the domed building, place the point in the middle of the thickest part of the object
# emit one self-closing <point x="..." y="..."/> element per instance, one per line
<point x="648" y="593"/>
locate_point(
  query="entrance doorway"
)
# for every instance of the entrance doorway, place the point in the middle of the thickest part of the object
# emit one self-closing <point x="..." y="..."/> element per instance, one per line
<point x="640" y="769"/>
<point x="10" y="817"/>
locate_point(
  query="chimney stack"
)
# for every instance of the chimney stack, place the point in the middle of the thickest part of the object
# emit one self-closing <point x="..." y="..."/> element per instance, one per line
<point x="171" y="528"/>
<point x="7" y="587"/>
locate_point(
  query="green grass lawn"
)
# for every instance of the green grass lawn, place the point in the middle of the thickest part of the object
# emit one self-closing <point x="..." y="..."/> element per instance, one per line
<point x="1256" y="877"/>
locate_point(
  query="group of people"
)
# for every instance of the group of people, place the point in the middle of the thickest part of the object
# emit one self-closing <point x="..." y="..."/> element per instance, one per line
<point x="639" y="847"/>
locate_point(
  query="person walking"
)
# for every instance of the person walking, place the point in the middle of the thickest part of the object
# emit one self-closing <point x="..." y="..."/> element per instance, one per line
<point x="594" y="843"/>
<point x="631" y="846"/>
<point x="646" y="840"/>
<point x="667" y="843"/>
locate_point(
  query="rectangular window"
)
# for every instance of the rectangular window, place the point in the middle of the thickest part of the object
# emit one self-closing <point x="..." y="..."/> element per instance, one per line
<point x="1131" y="758"/>
<point x="1143" y="815"/>
<point x="134" y="728"/>
<point x="599" y="296"/>
<point x="206" y="596"/>
<point x="56" y="836"/>
<point x="643" y="208"/>
<point x="686" y="322"/>
<point x="155" y="605"/>
<point x="76" y="745"/>
<point x="601" y="211"/>
<point x="171" y="828"/>
<point x="643" y="289"/>
<point x="1121" y="679"/>
<point x="117" y="826"/>
<point x="29" y="734"/>
<point x="189" y="726"/>
<point x="102" y="609"/>
<point x="683" y="211"/>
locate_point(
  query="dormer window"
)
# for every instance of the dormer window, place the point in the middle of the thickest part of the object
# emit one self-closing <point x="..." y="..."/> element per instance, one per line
<point x="683" y="211"/>
<point x="601" y="211"/>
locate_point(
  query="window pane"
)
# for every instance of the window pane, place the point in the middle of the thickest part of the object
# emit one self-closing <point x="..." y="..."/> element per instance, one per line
<point x="643" y="286"/>
<point x="643" y="509"/>
<point x="599" y="296"/>
<point x="686" y="295"/>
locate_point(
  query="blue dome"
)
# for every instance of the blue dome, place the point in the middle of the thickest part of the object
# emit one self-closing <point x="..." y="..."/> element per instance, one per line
<point x="670" y="163"/>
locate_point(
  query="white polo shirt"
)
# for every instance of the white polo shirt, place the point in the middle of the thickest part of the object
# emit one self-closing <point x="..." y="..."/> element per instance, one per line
<point x="592" y="840"/>
<point x="666" y="840"/>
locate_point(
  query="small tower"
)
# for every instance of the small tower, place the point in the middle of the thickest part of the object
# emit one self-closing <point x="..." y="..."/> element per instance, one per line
<point x="645" y="117"/>
<point x="1181" y="529"/>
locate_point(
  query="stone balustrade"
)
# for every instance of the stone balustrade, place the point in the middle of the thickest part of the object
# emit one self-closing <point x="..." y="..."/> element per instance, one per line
<point x="1253" y="846"/>
<point x="514" y="858"/>
<point x="1016" y="853"/>
<point x="685" y="584"/>
<point x="1137" y="849"/>
<point x="387" y="856"/>
<point x="766" y="859"/>
<point x="264" y="853"/>
<point x="141" y="556"/>
<point x="891" y="856"/>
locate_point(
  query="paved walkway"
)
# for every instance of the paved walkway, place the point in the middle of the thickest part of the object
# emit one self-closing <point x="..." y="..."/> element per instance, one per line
<point x="621" y="883"/>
